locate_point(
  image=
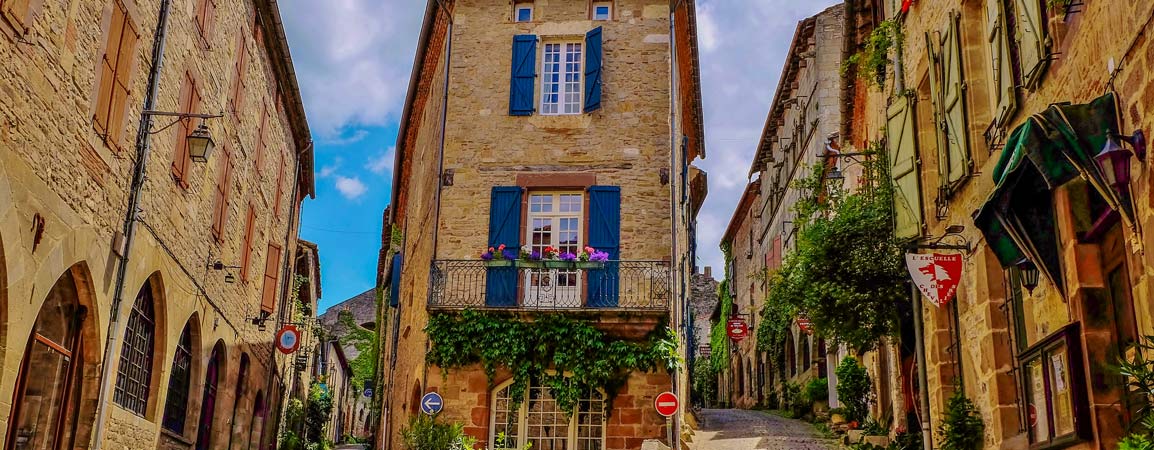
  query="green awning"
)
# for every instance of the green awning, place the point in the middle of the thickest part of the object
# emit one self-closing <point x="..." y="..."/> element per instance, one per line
<point x="1052" y="148"/>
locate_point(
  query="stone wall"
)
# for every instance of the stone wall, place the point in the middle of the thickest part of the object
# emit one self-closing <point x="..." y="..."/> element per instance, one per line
<point x="61" y="180"/>
<point x="702" y="301"/>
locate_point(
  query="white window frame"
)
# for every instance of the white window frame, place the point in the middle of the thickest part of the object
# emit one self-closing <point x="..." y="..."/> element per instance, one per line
<point x="572" y="441"/>
<point x="562" y="50"/>
<point x="518" y="7"/>
<point x="593" y="12"/>
<point x="570" y="294"/>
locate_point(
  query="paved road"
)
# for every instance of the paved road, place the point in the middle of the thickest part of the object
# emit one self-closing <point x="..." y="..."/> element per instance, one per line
<point x="738" y="429"/>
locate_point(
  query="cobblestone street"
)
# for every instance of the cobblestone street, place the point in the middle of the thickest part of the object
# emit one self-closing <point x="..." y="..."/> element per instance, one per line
<point x="737" y="429"/>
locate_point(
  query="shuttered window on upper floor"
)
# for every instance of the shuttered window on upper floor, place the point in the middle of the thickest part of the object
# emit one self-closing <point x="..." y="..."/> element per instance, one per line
<point x="262" y="137"/>
<point x="17" y="13"/>
<point x="115" y="74"/>
<point x="271" y="276"/>
<point x="947" y="99"/>
<point x="1002" y="87"/>
<point x="901" y="141"/>
<point x="571" y="81"/>
<point x="205" y="19"/>
<point x="220" y="194"/>
<point x="189" y="103"/>
<point x="236" y="101"/>
<point x="246" y="251"/>
<point x="1033" y="43"/>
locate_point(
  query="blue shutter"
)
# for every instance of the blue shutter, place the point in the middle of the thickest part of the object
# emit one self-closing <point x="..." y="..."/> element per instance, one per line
<point x="524" y="73"/>
<point x="605" y="236"/>
<point x="593" y="70"/>
<point x="504" y="228"/>
<point x="394" y="281"/>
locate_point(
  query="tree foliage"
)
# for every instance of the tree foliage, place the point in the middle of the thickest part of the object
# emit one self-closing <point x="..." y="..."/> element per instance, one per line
<point x="846" y="272"/>
<point x="567" y="355"/>
<point x="853" y="389"/>
<point x="962" y="427"/>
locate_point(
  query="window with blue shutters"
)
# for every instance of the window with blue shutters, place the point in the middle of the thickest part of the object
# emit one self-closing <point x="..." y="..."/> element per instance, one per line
<point x="504" y="228"/>
<point x="593" y="70"/>
<point x="605" y="236"/>
<point x="394" y="280"/>
<point x="524" y="74"/>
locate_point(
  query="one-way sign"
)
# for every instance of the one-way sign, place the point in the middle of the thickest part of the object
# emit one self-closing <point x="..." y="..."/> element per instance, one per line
<point x="432" y="403"/>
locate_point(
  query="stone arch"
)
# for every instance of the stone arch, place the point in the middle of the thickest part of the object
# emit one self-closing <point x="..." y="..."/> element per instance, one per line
<point x="143" y="315"/>
<point x="806" y="353"/>
<point x="740" y="372"/>
<point x="790" y="357"/>
<point x="413" y="407"/>
<point x="59" y="367"/>
<point x="259" y="417"/>
<point x="209" y="420"/>
<point x="181" y="402"/>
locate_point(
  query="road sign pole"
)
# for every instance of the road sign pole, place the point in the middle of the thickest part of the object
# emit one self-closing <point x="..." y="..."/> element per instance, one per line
<point x="669" y="426"/>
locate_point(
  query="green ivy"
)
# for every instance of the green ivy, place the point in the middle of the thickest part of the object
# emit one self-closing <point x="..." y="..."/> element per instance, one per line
<point x="846" y="273"/>
<point x="567" y="355"/>
<point x="365" y="341"/>
<point x="718" y="335"/>
<point x="870" y="63"/>
<point x="962" y="427"/>
<point x="317" y="413"/>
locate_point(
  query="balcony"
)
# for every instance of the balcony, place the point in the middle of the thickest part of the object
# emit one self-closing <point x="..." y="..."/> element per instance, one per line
<point x="616" y="286"/>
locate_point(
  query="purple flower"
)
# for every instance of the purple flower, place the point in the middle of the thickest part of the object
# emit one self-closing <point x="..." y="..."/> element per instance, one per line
<point x="568" y="257"/>
<point x="599" y="257"/>
<point x="535" y="256"/>
<point x="487" y="256"/>
<point x="509" y="254"/>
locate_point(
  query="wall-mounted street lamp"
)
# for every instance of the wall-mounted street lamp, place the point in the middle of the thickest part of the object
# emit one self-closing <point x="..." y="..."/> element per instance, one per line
<point x="1029" y="274"/>
<point x="200" y="142"/>
<point x="228" y="276"/>
<point x="1114" y="159"/>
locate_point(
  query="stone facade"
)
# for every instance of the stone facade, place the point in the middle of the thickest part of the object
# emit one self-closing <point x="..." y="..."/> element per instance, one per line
<point x="989" y="340"/>
<point x="702" y="301"/>
<point x="451" y="154"/>
<point x="64" y="190"/>
<point x="363" y="310"/>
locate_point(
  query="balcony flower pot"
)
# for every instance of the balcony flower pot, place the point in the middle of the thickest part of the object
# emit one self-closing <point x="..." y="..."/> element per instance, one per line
<point x="590" y="265"/>
<point x="498" y="263"/>
<point x="559" y="264"/>
<point x="526" y="264"/>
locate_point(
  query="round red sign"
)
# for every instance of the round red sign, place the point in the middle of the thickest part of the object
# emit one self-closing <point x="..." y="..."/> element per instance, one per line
<point x="666" y="404"/>
<point x="288" y="339"/>
<point x="737" y="329"/>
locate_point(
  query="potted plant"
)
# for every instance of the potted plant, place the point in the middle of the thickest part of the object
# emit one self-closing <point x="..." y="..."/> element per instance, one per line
<point x="591" y="259"/>
<point x="553" y="259"/>
<point x="499" y="257"/>
<point x="530" y="260"/>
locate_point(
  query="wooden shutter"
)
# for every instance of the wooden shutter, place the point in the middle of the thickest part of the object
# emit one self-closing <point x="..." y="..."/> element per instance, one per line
<point x="605" y="236"/>
<point x="246" y="251"/>
<point x="262" y="135"/>
<point x="121" y="82"/>
<point x="394" y="281"/>
<point x="220" y="210"/>
<point x="108" y="64"/>
<point x="955" y="134"/>
<point x="1033" y="45"/>
<point x="901" y="142"/>
<point x="524" y="74"/>
<point x="189" y="102"/>
<point x="593" y="70"/>
<point x="271" y="275"/>
<point x="1002" y="72"/>
<point x="504" y="228"/>
<point x="279" y="186"/>
<point x="17" y="13"/>
<point x="237" y="101"/>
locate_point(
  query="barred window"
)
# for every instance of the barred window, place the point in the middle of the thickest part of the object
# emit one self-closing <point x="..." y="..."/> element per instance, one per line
<point x="176" y="405"/>
<point x="539" y="422"/>
<point x="134" y="378"/>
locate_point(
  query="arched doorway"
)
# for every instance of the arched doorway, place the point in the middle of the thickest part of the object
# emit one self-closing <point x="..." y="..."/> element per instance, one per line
<point x="46" y="407"/>
<point x="180" y="381"/>
<point x="208" y="402"/>
<point x="256" y="427"/>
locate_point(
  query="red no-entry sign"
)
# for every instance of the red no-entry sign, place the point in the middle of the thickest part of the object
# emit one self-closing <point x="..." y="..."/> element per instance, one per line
<point x="666" y="404"/>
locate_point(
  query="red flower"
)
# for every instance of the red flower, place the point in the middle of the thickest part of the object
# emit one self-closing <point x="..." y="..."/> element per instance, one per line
<point x="853" y="425"/>
<point x="501" y="247"/>
<point x="490" y="249"/>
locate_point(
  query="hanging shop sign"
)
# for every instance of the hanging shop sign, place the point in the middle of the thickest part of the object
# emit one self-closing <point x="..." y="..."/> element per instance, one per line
<point x="737" y="329"/>
<point x="288" y="339"/>
<point x="906" y="5"/>
<point x="936" y="275"/>
<point x="805" y="325"/>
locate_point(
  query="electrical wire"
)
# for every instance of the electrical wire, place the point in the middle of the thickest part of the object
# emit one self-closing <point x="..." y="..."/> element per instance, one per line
<point x="188" y="273"/>
<point x="1129" y="50"/>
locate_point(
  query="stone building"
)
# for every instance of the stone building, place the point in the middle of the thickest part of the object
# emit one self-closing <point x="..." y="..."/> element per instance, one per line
<point x="140" y="285"/>
<point x="1003" y="106"/>
<point x="702" y="301"/>
<point x="334" y="373"/>
<point x="801" y="131"/>
<point x="361" y="311"/>
<point x="545" y="124"/>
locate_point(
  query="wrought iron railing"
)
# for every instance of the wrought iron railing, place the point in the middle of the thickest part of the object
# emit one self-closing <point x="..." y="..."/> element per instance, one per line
<point x="613" y="284"/>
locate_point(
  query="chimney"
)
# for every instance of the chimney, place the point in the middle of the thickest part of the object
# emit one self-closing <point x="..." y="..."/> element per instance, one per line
<point x="708" y="272"/>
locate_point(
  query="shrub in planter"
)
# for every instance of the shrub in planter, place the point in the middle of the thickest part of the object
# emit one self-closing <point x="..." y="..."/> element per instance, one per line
<point x="426" y="433"/>
<point x="962" y="427"/>
<point x="817" y="389"/>
<point x="853" y="389"/>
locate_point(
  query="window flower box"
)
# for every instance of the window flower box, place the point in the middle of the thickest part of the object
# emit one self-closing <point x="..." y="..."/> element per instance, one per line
<point x="590" y="265"/>
<point x="529" y="264"/>
<point x="498" y="263"/>
<point x="558" y="264"/>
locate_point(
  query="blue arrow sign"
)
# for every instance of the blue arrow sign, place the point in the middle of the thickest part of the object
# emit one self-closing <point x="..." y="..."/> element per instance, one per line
<point x="369" y="392"/>
<point x="432" y="403"/>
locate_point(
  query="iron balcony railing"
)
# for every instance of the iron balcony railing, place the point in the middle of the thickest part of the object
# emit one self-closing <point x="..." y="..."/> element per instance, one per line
<point x="635" y="285"/>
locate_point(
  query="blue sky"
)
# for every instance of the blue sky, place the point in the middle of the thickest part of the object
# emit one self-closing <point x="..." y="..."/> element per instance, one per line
<point x="353" y="59"/>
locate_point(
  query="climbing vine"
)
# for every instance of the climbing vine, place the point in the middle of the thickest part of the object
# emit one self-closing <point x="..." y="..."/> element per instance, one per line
<point x="846" y="273"/>
<point x="567" y="355"/>
<point x="365" y="341"/>
<point x="871" y="61"/>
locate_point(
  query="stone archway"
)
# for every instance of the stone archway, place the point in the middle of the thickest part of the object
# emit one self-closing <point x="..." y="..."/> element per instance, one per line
<point x="180" y="401"/>
<point x="54" y="401"/>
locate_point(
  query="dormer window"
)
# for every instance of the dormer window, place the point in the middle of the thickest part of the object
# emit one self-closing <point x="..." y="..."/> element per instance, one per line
<point x="602" y="10"/>
<point x="523" y="12"/>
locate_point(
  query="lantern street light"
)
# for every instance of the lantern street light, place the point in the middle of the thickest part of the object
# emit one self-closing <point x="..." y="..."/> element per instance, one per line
<point x="200" y="144"/>
<point x="1114" y="159"/>
<point x="1029" y="274"/>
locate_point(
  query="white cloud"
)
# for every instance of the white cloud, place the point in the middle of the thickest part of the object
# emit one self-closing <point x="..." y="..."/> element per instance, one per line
<point x="341" y="139"/>
<point x="353" y="58"/>
<point x="350" y="188"/>
<point x="382" y="162"/>
<point x="329" y="170"/>
<point x="743" y="44"/>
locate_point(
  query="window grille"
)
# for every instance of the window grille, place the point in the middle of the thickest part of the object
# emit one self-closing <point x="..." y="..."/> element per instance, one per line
<point x="176" y="404"/>
<point x="134" y="377"/>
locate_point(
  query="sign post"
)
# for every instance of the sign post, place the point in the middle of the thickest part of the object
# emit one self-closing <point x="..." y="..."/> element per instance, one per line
<point x="666" y="404"/>
<point x="432" y="403"/>
<point x="936" y="275"/>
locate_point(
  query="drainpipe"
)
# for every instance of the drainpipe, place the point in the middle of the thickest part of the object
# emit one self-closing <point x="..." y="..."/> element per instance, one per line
<point x="920" y="353"/>
<point x="678" y="301"/>
<point x="143" y="140"/>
